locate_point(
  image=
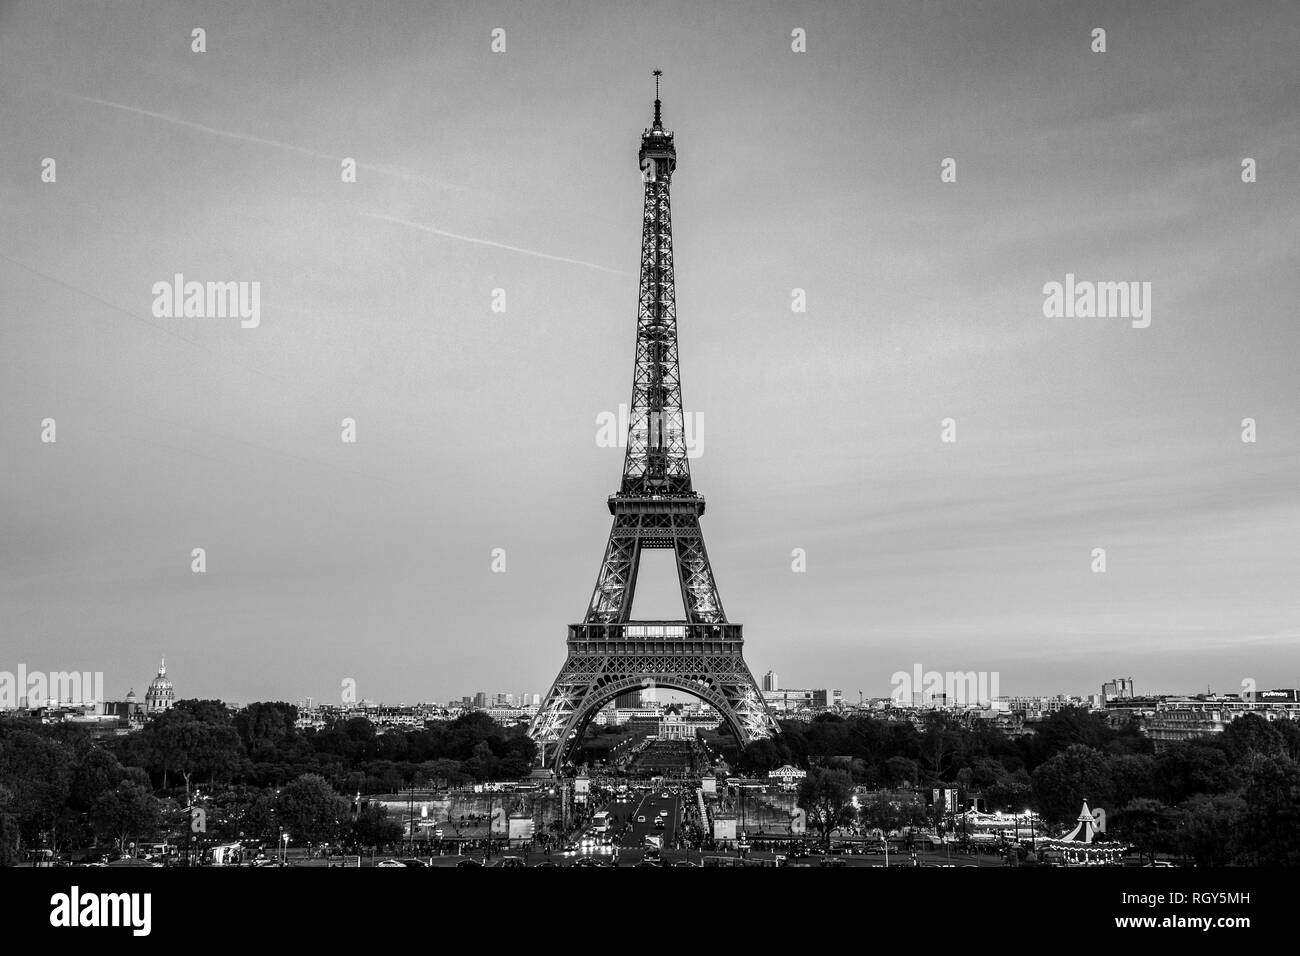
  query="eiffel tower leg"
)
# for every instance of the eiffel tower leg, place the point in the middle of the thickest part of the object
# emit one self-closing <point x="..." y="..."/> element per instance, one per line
<point x="548" y="727"/>
<point x="616" y="583"/>
<point x="588" y="681"/>
<point x="699" y="590"/>
<point x="746" y="701"/>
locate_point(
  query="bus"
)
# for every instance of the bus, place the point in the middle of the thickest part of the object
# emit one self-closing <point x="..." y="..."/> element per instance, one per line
<point x="600" y="822"/>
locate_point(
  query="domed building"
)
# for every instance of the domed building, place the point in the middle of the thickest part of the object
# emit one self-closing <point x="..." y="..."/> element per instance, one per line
<point x="129" y="713"/>
<point x="161" y="695"/>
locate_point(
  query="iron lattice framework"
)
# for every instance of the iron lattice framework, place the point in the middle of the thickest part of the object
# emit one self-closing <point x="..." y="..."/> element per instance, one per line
<point x="655" y="507"/>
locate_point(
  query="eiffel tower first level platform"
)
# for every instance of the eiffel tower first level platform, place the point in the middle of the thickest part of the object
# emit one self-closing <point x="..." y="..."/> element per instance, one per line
<point x="655" y="507"/>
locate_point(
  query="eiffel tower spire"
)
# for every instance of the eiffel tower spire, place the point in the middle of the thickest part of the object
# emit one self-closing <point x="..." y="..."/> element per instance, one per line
<point x="659" y="122"/>
<point x="655" y="507"/>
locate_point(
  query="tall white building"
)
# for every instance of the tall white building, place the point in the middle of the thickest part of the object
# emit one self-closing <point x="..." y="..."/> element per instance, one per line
<point x="770" y="681"/>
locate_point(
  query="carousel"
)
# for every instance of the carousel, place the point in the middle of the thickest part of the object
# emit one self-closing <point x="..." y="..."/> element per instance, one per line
<point x="1085" y="845"/>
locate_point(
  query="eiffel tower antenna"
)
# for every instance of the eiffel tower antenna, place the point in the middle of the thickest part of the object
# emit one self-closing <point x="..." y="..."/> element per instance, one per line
<point x="655" y="507"/>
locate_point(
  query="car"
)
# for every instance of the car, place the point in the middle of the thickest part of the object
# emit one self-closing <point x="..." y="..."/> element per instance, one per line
<point x="654" y="863"/>
<point x="468" y="863"/>
<point x="640" y="819"/>
<point x="685" y="863"/>
<point x="585" y="861"/>
<point x="547" y="863"/>
<point x="511" y="861"/>
<point x="390" y="863"/>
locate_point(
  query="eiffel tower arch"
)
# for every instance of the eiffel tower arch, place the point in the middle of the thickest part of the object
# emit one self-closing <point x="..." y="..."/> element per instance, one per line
<point x="655" y="507"/>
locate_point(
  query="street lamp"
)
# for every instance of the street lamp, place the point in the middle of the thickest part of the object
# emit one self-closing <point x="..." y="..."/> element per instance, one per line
<point x="285" y="837"/>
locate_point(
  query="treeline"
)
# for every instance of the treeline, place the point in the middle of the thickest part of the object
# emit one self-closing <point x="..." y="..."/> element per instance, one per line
<point x="260" y="746"/>
<point x="257" y="775"/>
<point x="1233" y="798"/>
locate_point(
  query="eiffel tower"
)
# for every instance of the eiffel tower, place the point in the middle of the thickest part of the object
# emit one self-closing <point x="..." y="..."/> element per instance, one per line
<point x="655" y="507"/>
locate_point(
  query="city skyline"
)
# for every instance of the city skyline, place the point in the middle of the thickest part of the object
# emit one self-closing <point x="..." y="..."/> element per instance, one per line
<point x="12" y="685"/>
<point x="817" y="171"/>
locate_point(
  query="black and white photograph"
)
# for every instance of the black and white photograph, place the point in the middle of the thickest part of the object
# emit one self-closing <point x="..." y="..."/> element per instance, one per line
<point x="333" y="536"/>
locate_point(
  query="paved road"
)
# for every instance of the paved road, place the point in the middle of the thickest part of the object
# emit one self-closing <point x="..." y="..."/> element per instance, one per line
<point x="632" y="857"/>
<point x="650" y="806"/>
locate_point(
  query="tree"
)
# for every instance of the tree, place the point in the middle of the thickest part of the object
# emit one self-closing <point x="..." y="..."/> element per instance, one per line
<point x="1065" y="728"/>
<point x="310" y="810"/>
<point x="1269" y="828"/>
<point x="763" y="756"/>
<point x="483" y="764"/>
<point x="372" y="828"/>
<point x="1063" y="782"/>
<point x="939" y="743"/>
<point x="9" y="835"/>
<point x="128" y="812"/>
<point x="1251" y="734"/>
<point x="902" y="772"/>
<point x="826" y="796"/>
<point x="1131" y="777"/>
<point x="441" y="773"/>
<point x="1207" y="825"/>
<point x="827" y="736"/>
<point x="886" y="814"/>
<point x="985" y="772"/>
<point x="1289" y="734"/>
<point x="1186" y="769"/>
<point x="258" y="817"/>
<point x="37" y="771"/>
<point x="92" y="777"/>
<point x="1014" y="790"/>
<point x="385" y="776"/>
<point x="1148" y="824"/>
<point x="266" y="728"/>
<point x="195" y="737"/>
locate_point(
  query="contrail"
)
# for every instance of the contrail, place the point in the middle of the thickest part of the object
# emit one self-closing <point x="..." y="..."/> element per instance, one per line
<point x="488" y="242"/>
<point x="136" y="317"/>
<point x="316" y="154"/>
<point x="245" y="137"/>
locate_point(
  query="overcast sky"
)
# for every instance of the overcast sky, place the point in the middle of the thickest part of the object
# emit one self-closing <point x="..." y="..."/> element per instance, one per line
<point x="477" y="430"/>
